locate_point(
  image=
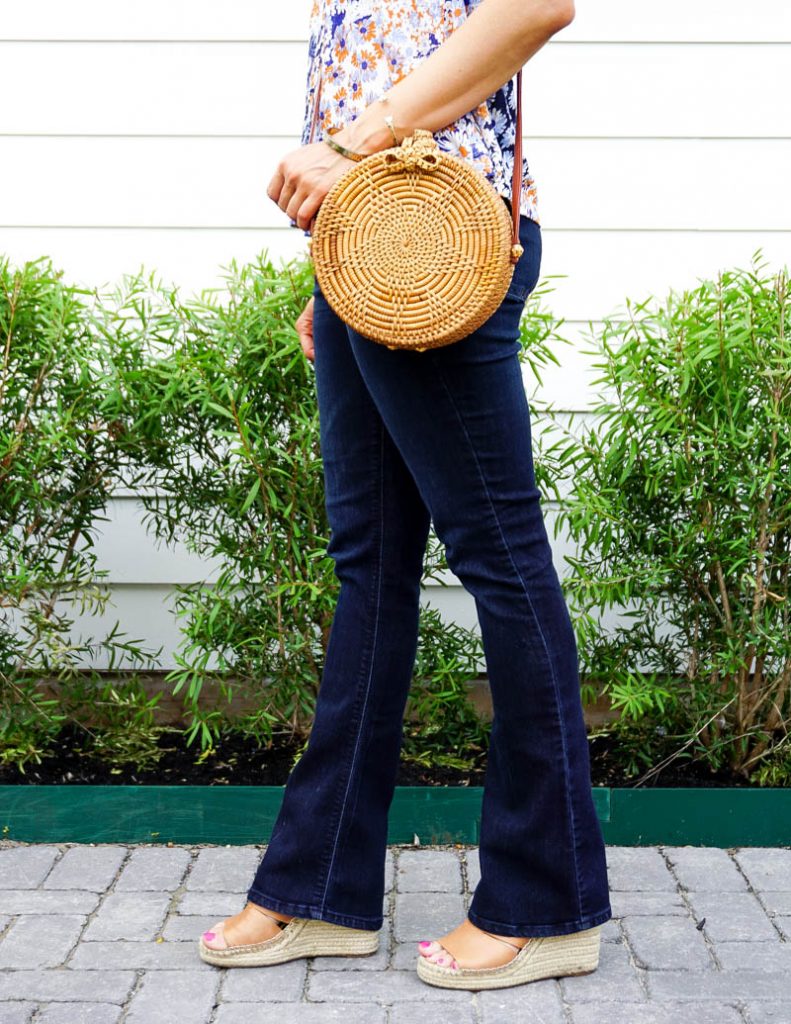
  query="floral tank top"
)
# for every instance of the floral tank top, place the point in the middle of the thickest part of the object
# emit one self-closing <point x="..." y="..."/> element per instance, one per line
<point x="358" y="49"/>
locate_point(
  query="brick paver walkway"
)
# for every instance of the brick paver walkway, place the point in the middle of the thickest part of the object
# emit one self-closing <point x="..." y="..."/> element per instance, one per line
<point x="106" y="934"/>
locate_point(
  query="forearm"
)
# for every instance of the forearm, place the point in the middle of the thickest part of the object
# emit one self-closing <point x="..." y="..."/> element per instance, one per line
<point x="483" y="53"/>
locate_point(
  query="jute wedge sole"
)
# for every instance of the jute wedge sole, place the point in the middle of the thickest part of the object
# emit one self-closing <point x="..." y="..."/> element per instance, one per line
<point x="553" y="956"/>
<point x="300" y="937"/>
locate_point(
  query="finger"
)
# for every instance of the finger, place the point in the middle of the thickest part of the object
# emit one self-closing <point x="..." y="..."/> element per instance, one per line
<point x="306" y="212"/>
<point x="275" y="186"/>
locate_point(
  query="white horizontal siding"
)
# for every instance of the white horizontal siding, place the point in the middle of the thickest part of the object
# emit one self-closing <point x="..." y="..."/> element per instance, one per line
<point x="143" y="135"/>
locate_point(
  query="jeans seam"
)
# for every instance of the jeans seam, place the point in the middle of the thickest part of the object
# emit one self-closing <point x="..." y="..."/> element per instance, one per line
<point x="482" y="477"/>
<point x="370" y="667"/>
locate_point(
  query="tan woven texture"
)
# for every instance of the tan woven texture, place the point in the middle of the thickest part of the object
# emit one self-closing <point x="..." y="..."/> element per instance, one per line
<point x="412" y="247"/>
<point x="553" y="956"/>
<point x="301" y="937"/>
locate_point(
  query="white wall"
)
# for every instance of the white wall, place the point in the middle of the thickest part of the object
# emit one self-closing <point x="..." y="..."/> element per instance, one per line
<point x="144" y="134"/>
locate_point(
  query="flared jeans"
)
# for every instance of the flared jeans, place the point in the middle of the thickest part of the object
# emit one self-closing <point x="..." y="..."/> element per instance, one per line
<point x="409" y="438"/>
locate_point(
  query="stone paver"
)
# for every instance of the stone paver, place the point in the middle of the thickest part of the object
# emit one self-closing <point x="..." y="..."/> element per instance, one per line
<point x="738" y="917"/>
<point x="784" y="924"/>
<point x="639" y="868"/>
<point x="41" y="901"/>
<point x="616" y="971"/>
<point x="154" y="869"/>
<point x="776" y="902"/>
<point x="129" y="915"/>
<point x="280" y="982"/>
<point x="25" y="867"/>
<point x="725" y="986"/>
<point x="165" y="997"/>
<point x="425" y="915"/>
<point x="106" y="933"/>
<point x="755" y="956"/>
<point x="79" y="1013"/>
<point x="769" y="1013"/>
<point x="650" y="1013"/>
<point x="40" y="940"/>
<point x="428" y="871"/>
<point x="158" y="956"/>
<point x="441" y="1013"/>
<point x="665" y="943"/>
<point x="16" y="1012"/>
<point x="66" y="985"/>
<point x="705" y="869"/>
<point x="540" y="1002"/>
<point x="224" y="869"/>
<point x="767" y="868"/>
<point x="301" y="1013"/>
<point x="86" y="867"/>
<point x="648" y="904"/>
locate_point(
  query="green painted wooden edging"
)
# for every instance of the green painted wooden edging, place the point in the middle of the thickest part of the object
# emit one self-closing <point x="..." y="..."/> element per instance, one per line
<point x="435" y="814"/>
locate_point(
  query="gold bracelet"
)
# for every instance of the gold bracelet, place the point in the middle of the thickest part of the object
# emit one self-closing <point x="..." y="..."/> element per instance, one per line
<point x="343" y="150"/>
<point x="388" y="119"/>
<point x="389" y="123"/>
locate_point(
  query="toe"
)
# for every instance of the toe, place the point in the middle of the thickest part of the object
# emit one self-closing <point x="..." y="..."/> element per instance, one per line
<point x="437" y="954"/>
<point x="214" y="937"/>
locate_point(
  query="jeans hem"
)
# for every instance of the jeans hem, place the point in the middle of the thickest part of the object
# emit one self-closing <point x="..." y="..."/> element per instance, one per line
<point x="539" y="930"/>
<point x="314" y="912"/>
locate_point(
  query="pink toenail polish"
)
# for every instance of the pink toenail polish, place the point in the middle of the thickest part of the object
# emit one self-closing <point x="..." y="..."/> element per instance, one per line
<point x="425" y="943"/>
<point x="209" y="936"/>
<point x="440" y="959"/>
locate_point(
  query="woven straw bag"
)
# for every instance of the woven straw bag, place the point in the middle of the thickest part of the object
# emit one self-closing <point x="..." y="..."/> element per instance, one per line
<point x="414" y="248"/>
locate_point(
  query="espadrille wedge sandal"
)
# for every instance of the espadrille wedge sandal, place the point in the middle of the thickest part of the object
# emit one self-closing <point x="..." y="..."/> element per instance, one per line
<point x="553" y="956"/>
<point x="297" y="938"/>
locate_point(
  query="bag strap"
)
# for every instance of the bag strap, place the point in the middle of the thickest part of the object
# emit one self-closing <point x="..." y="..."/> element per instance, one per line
<point x="516" y="180"/>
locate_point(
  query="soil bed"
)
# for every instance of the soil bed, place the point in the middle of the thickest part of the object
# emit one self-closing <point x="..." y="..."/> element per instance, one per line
<point x="239" y="761"/>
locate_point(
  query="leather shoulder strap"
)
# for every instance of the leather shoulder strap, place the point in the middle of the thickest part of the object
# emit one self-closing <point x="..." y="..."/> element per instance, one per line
<point x="516" y="180"/>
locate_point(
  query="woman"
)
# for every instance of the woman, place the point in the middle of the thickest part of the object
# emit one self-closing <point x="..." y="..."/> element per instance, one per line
<point x="409" y="437"/>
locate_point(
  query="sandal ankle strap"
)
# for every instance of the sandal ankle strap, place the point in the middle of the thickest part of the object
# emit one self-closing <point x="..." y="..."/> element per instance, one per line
<point x="267" y="914"/>
<point x="513" y="945"/>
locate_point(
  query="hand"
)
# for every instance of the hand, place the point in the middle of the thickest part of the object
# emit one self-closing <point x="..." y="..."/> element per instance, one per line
<point x="303" y="178"/>
<point x="304" y="326"/>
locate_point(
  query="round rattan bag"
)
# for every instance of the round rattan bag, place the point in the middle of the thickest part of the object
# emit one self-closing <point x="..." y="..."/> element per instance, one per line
<point x="412" y="247"/>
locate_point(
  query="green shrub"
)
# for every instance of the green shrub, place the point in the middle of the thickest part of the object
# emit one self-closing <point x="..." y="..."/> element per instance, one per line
<point x="61" y="417"/>
<point x="680" y="507"/>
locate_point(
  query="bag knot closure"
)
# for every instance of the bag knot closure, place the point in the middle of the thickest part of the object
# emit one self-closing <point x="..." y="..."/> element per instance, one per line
<point x="418" y="150"/>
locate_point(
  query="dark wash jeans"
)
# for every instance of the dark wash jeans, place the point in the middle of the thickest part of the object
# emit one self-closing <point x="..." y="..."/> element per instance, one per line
<point x="407" y="437"/>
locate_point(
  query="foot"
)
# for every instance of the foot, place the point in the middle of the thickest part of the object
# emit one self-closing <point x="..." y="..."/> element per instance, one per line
<point x="253" y="924"/>
<point x="472" y="947"/>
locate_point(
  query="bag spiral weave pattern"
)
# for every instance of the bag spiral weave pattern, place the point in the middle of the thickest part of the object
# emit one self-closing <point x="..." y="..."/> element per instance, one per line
<point x="411" y="246"/>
